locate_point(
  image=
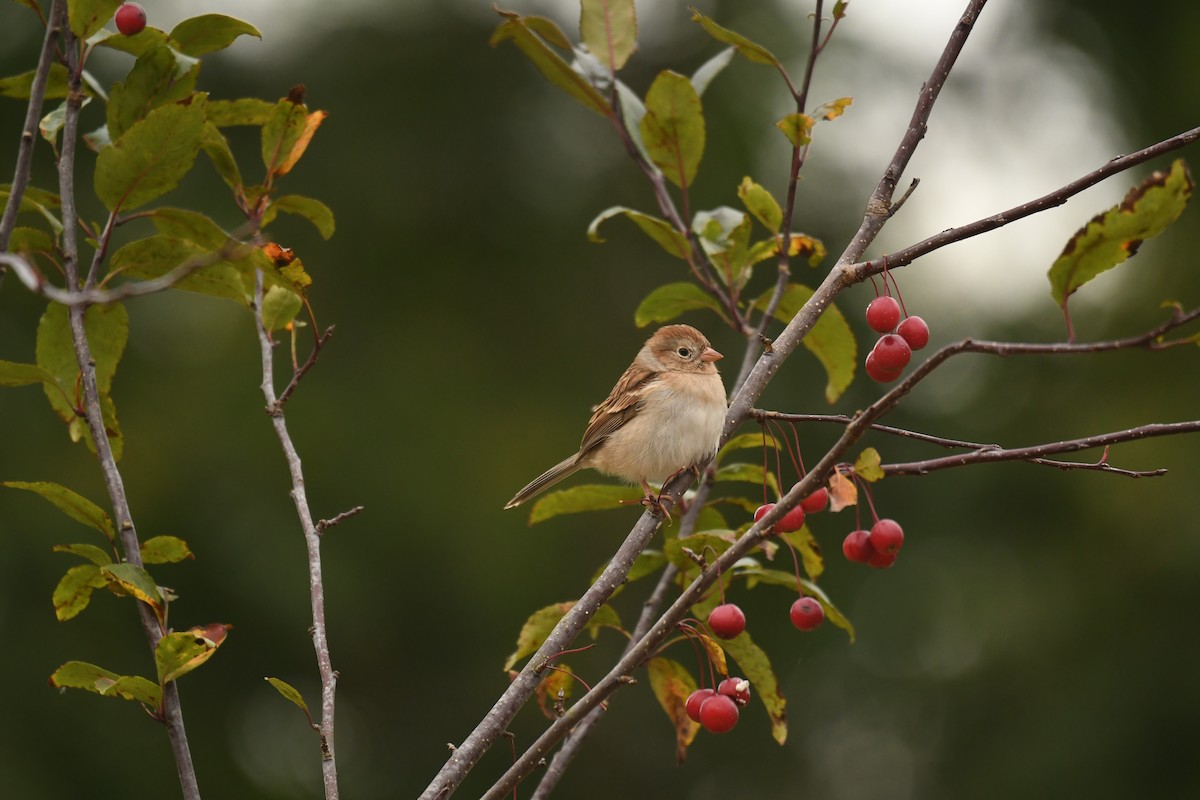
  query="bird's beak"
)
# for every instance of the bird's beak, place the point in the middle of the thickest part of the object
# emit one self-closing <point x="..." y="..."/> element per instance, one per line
<point x="710" y="355"/>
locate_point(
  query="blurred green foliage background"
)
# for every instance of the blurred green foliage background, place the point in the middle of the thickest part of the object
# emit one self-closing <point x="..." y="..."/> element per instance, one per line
<point x="1037" y="637"/>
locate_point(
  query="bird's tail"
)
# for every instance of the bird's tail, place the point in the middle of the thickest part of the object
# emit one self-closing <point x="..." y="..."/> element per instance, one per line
<point x="546" y="480"/>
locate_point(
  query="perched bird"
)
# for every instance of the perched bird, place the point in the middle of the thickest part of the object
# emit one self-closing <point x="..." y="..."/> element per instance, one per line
<point x="664" y="415"/>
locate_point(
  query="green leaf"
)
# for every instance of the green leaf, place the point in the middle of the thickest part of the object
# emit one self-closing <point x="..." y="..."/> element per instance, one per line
<point x="165" y="550"/>
<point x="609" y="29"/>
<point x="724" y="235"/>
<point x="703" y="76"/>
<point x="14" y="374"/>
<point x="746" y="48"/>
<point x="709" y="545"/>
<point x="589" y="497"/>
<point x="1115" y="235"/>
<point x="830" y="340"/>
<point x="657" y="229"/>
<point x="135" y="582"/>
<point x="209" y="32"/>
<point x="33" y="199"/>
<point x="748" y="473"/>
<point x="91" y="552"/>
<point x="197" y="228"/>
<point x="668" y="302"/>
<point x="151" y="157"/>
<point x="756" y="668"/>
<point x="797" y="128"/>
<point x="866" y="466"/>
<point x="216" y="147"/>
<point x="179" y="653"/>
<point x="810" y="551"/>
<point x="88" y="16"/>
<point x="19" y="87"/>
<point x="75" y="506"/>
<point x="312" y="210"/>
<point x="157" y="255"/>
<point x="280" y="307"/>
<point x="245" y="111"/>
<point x="53" y="122"/>
<point x="281" y="133"/>
<point x="748" y="441"/>
<point x="74" y="590"/>
<point x="157" y="78"/>
<point x="137" y="45"/>
<point x="541" y="622"/>
<point x="672" y="684"/>
<point x="761" y="204"/>
<point x="89" y="677"/>
<point x="673" y="127"/>
<point x="291" y="693"/>
<point x="529" y="35"/>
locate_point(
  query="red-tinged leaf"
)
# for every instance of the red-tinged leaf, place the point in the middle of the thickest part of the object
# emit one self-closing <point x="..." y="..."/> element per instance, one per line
<point x="672" y="684"/>
<point x="609" y="29"/>
<point x="74" y="590"/>
<point x="797" y="128"/>
<point x="179" y="653"/>
<point x="672" y="129"/>
<point x="830" y="340"/>
<point x="530" y="38"/>
<point x="761" y="204"/>
<point x="746" y="48"/>
<point x="311" y="123"/>
<point x="667" y="302"/>
<point x="75" y="506"/>
<point x="867" y="465"/>
<point x="555" y="690"/>
<point x="587" y="497"/>
<point x="165" y="550"/>
<point x="842" y="492"/>
<point x="756" y="668"/>
<point x="91" y="678"/>
<point x="661" y="231"/>
<point x="1113" y="236"/>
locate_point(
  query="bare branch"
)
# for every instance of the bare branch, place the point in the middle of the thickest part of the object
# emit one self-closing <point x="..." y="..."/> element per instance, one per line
<point x="325" y="524"/>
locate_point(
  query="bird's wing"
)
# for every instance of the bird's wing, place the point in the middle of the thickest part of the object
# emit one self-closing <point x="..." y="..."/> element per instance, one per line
<point x="621" y="405"/>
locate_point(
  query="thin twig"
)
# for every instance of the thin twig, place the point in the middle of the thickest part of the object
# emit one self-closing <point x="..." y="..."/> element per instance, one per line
<point x="325" y="524"/>
<point x="312" y="540"/>
<point x="843" y="419"/>
<point x="303" y="369"/>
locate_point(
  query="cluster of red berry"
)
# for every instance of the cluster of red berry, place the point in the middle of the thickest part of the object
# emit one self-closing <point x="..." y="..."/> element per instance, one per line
<point x="877" y="547"/>
<point x="892" y="352"/>
<point x="717" y="710"/>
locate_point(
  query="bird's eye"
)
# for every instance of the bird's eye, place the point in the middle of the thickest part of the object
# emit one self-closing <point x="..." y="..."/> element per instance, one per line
<point x="683" y="351"/>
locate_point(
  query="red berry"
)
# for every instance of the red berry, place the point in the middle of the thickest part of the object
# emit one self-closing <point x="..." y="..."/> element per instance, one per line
<point x="857" y="547"/>
<point x="878" y="373"/>
<point x="791" y="521"/>
<point x="882" y="560"/>
<point x="761" y="511"/>
<point x="816" y="501"/>
<point x="887" y="536"/>
<point x="882" y="314"/>
<point x="736" y="689"/>
<point x="807" y="614"/>
<point x="130" y="19"/>
<point x="727" y="621"/>
<point x="718" y="714"/>
<point x="694" y="701"/>
<point x="914" y="331"/>
<point x="892" y="352"/>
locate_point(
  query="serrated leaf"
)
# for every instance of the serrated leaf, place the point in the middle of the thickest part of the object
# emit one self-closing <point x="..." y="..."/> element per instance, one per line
<point x="135" y="582"/>
<point x="672" y="129"/>
<point x="609" y="29"/>
<point x="209" y="33"/>
<point x="830" y="340"/>
<point x="179" y="653"/>
<point x="157" y="255"/>
<point x="291" y="693"/>
<point x="245" y="111"/>
<point x="74" y="505"/>
<point x="866" y="466"/>
<point x="74" y="590"/>
<point x="672" y="684"/>
<point x="151" y="157"/>
<point x="797" y="128"/>
<point x="761" y="204"/>
<point x="540" y="623"/>
<point x="91" y="678"/>
<point x="91" y="552"/>
<point x="529" y="35"/>
<point x="1113" y="236"/>
<point x="661" y="231"/>
<point x="312" y="210"/>
<point x="756" y="668"/>
<point x="158" y="77"/>
<point x="708" y="544"/>
<point x="667" y="302"/>
<point x="745" y="47"/>
<point x="703" y="76"/>
<point x="165" y="550"/>
<point x="88" y="16"/>
<point x="589" y="497"/>
<point x="280" y="307"/>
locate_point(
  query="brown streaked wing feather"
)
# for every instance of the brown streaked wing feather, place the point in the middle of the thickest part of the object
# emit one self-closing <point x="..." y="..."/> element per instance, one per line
<point x="621" y="405"/>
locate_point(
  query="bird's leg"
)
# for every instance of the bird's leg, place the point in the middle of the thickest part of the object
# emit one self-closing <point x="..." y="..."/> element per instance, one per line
<point x="654" y="500"/>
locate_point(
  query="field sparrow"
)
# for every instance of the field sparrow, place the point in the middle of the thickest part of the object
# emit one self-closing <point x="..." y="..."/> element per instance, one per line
<point x="664" y="415"/>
